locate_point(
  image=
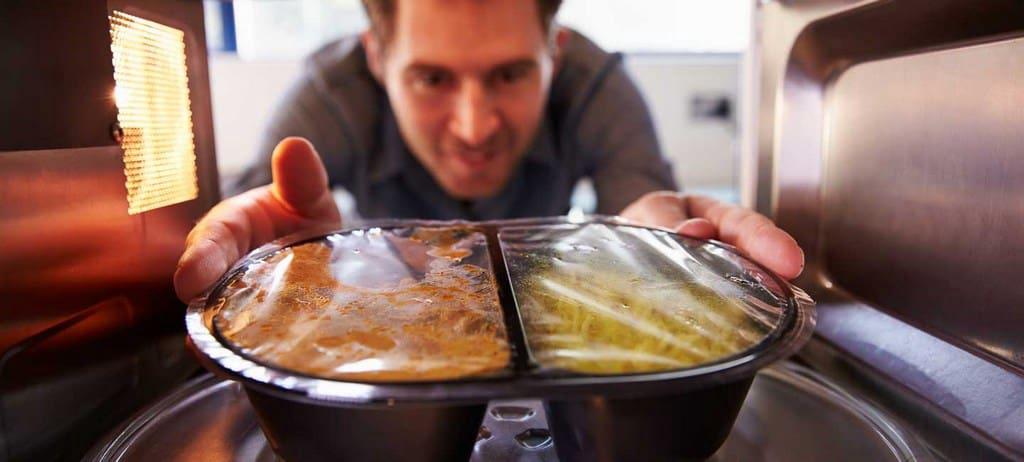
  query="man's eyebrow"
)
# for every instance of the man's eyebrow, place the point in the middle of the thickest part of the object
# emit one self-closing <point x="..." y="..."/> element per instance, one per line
<point x="425" y="67"/>
<point x="520" y="63"/>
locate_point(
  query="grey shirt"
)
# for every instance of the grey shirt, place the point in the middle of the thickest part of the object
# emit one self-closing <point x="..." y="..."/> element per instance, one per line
<point x="595" y="125"/>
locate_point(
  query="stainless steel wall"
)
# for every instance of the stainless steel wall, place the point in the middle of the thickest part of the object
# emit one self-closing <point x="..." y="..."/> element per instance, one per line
<point x="890" y="144"/>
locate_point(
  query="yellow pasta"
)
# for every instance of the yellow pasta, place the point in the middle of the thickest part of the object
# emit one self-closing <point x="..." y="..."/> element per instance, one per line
<point x="595" y="320"/>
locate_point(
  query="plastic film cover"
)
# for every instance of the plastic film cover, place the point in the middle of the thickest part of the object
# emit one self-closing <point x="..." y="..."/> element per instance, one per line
<point x="605" y="299"/>
<point x="401" y="304"/>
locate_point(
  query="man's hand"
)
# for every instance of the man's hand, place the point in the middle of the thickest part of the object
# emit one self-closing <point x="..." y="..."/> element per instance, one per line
<point x="706" y="218"/>
<point x="299" y="197"/>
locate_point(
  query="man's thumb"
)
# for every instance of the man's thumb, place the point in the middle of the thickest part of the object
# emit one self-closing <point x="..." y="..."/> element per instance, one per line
<point x="300" y="181"/>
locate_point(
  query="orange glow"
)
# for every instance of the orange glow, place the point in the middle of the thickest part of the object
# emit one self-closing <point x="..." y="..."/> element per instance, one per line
<point x="154" y="111"/>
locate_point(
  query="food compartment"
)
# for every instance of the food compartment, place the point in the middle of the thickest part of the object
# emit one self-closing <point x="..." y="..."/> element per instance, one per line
<point x="604" y="299"/>
<point x="601" y="301"/>
<point x="380" y="305"/>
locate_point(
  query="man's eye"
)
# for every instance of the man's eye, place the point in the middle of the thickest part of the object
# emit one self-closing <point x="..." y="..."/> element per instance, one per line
<point x="511" y="75"/>
<point x="432" y="79"/>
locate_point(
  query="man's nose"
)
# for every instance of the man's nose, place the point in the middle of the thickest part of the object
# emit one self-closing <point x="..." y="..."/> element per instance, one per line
<point x="475" y="119"/>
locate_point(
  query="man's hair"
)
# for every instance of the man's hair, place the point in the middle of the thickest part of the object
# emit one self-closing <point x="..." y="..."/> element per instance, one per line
<point x="382" y="15"/>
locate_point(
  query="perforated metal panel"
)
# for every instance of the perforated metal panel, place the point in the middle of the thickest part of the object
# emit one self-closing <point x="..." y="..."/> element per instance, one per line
<point x="154" y="112"/>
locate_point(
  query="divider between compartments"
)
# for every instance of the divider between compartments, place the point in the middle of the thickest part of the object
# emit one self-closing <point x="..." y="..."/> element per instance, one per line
<point x="521" y="360"/>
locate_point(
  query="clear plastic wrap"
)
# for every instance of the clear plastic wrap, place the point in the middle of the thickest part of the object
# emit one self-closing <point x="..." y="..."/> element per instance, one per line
<point x="598" y="298"/>
<point x="398" y="304"/>
<point x="426" y="311"/>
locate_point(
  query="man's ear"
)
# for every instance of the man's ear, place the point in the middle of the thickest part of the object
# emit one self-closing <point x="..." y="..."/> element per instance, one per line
<point x="374" y="58"/>
<point x="560" y="40"/>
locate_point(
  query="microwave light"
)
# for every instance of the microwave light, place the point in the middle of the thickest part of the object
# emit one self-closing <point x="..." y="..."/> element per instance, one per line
<point x="152" y="97"/>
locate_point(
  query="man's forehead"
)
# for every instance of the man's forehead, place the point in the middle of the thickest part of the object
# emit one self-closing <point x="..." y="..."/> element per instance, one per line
<point x="467" y="33"/>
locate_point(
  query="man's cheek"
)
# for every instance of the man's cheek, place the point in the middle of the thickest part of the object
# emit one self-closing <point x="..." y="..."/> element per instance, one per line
<point x="428" y="129"/>
<point x="524" y="122"/>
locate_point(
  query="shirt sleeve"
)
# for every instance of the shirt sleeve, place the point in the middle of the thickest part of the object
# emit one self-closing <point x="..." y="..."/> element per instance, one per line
<point x="304" y="112"/>
<point x="617" y="132"/>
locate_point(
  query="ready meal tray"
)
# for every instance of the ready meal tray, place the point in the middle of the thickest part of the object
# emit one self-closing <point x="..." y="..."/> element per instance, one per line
<point x="413" y="326"/>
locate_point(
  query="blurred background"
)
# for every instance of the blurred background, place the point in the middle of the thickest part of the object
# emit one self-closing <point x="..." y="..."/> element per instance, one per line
<point x="687" y="57"/>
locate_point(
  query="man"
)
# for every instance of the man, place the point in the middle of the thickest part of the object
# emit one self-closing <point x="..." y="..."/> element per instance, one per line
<point x="475" y="109"/>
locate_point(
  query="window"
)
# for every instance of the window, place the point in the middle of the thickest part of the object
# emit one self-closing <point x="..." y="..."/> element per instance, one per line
<point x="661" y="26"/>
<point x="278" y="29"/>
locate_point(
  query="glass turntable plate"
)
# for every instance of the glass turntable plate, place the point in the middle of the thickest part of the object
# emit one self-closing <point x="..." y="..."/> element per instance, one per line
<point x="791" y="413"/>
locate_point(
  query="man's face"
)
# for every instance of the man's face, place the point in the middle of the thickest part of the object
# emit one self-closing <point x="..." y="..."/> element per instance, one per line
<point x="467" y="81"/>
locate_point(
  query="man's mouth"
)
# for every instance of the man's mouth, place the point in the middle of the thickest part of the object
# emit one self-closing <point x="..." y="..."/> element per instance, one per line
<point x="475" y="158"/>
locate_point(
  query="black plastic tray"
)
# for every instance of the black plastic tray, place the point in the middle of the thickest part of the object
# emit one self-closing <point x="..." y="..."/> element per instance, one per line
<point x="681" y="414"/>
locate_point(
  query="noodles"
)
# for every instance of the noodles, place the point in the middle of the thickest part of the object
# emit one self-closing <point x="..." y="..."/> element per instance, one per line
<point x="603" y="299"/>
<point x="596" y="322"/>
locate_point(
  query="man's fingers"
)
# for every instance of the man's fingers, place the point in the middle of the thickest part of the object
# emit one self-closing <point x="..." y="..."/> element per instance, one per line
<point x="700" y="205"/>
<point x="699" y="228"/>
<point x="752" y="232"/>
<point x="300" y="181"/>
<point x="663" y="209"/>
<point x="736" y="222"/>
<point x="217" y="241"/>
<point x="201" y="264"/>
<point x="298" y="198"/>
<point x="775" y="249"/>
